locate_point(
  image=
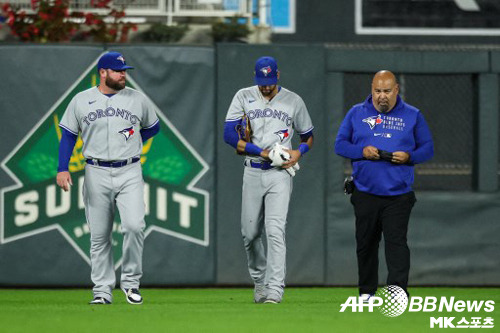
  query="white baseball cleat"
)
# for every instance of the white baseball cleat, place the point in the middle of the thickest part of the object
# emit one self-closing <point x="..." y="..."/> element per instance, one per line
<point x="99" y="300"/>
<point x="133" y="295"/>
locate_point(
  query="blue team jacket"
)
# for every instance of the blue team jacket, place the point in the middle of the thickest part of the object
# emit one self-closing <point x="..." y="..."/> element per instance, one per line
<point x="401" y="129"/>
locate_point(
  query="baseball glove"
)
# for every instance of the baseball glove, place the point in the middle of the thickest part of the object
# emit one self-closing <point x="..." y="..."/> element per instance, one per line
<point x="244" y="130"/>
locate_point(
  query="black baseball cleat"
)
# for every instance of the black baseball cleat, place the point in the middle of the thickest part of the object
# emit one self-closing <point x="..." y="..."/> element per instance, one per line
<point x="99" y="300"/>
<point x="133" y="295"/>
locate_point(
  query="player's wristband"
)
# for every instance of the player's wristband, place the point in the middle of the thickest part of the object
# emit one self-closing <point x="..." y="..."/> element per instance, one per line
<point x="252" y="149"/>
<point x="303" y="148"/>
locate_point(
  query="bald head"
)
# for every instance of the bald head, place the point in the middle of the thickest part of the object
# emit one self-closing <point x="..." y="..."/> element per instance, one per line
<point x="385" y="90"/>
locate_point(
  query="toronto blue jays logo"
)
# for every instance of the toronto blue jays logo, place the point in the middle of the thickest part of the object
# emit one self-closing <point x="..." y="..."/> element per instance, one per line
<point x="373" y="121"/>
<point x="283" y="134"/>
<point x="127" y="132"/>
<point x="122" y="59"/>
<point x="266" y="70"/>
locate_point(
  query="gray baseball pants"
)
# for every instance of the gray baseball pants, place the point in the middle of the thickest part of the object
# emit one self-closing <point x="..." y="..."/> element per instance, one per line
<point x="265" y="199"/>
<point x="104" y="190"/>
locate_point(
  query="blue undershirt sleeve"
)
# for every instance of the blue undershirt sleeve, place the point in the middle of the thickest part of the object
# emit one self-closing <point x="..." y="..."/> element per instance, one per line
<point x="305" y="136"/>
<point x="147" y="133"/>
<point x="304" y="147"/>
<point x="68" y="141"/>
<point x="230" y="135"/>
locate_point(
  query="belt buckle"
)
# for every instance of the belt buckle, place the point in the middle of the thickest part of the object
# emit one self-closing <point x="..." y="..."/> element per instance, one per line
<point x="262" y="165"/>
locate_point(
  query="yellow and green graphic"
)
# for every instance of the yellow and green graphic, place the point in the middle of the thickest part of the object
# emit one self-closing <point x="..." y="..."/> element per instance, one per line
<point x="171" y="168"/>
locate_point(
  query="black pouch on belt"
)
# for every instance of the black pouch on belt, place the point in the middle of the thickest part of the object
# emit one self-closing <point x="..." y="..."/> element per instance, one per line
<point x="348" y="185"/>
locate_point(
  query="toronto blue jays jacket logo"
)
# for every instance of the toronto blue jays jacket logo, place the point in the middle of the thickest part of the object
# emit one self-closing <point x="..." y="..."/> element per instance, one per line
<point x="373" y="121"/>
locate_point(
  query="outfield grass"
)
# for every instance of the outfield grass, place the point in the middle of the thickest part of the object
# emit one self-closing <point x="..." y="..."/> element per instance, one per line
<point x="217" y="310"/>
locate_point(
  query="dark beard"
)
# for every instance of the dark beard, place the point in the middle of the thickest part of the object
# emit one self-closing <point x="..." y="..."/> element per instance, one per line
<point x="115" y="85"/>
<point x="267" y="93"/>
<point x="384" y="108"/>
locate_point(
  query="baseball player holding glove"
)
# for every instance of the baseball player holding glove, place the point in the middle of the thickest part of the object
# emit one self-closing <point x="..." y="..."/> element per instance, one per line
<point x="260" y="123"/>
<point x="114" y="121"/>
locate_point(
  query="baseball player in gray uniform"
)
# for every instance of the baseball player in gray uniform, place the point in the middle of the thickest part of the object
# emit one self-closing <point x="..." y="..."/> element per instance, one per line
<point x="274" y="113"/>
<point x="113" y="120"/>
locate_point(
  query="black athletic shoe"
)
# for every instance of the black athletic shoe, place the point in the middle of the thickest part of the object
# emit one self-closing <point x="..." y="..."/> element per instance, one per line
<point x="99" y="300"/>
<point x="366" y="297"/>
<point x="133" y="295"/>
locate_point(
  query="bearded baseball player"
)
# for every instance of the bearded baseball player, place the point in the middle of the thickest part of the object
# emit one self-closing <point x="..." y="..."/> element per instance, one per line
<point x="273" y="114"/>
<point x="114" y="121"/>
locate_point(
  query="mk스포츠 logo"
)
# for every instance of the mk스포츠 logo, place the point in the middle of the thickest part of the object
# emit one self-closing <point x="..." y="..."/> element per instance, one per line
<point x="35" y="204"/>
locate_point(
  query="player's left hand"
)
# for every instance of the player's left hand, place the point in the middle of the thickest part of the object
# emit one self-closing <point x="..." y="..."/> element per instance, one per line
<point x="294" y="158"/>
<point x="400" y="157"/>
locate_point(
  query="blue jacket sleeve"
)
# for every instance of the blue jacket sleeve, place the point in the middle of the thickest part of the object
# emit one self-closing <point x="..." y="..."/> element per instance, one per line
<point x="230" y="135"/>
<point x="424" y="150"/>
<point x="147" y="133"/>
<point x="343" y="143"/>
<point x="68" y="141"/>
<point x="305" y="136"/>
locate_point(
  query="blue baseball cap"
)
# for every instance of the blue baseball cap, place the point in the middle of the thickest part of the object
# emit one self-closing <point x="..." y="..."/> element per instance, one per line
<point x="114" y="61"/>
<point x="266" y="71"/>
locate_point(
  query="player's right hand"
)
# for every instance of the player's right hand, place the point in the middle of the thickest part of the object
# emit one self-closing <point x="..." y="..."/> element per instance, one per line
<point x="371" y="153"/>
<point x="293" y="160"/>
<point x="64" y="180"/>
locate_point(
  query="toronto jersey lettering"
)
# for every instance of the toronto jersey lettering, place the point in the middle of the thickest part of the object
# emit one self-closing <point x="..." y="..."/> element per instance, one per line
<point x="272" y="121"/>
<point x="110" y="126"/>
<point x="110" y="112"/>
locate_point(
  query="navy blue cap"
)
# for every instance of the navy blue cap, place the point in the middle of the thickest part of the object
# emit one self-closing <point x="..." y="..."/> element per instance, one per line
<point x="266" y="71"/>
<point x="114" y="61"/>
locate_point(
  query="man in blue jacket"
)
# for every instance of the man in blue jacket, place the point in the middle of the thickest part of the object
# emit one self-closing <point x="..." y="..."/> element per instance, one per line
<point x="384" y="137"/>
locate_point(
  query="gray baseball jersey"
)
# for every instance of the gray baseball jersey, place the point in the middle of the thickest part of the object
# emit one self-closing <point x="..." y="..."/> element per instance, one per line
<point x="110" y="126"/>
<point x="266" y="193"/>
<point x="272" y="121"/>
